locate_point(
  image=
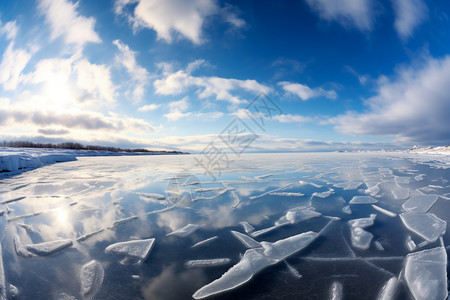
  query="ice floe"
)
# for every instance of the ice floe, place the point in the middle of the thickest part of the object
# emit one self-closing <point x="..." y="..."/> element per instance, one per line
<point x="48" y="248"/>
<point x="362" y="200"/>
<point x="420" y="203"/>
<point x="185" y="231"/>
<point x="428" y="226"/>
<point x="91" y="278"/>
<point x="205" y="242"/>
<point x="401" y="194"/>
<point x="363" y="222"/>
<point x="360" y="238"/>
<point x="202" y="263"/>
<point x="425" y="273"/>
<point x="384" y="211"/>
<point x="296" y="215"/>
<point x="246" y="240"/>
<point x="20" y="249"/>
<point x="139" y="249"/>
<point x="347" y="210"/>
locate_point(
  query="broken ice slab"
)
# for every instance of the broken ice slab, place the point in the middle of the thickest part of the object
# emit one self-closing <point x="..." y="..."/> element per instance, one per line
<point x="139" y="249"/>
<point x="263" y="231"/>
<point x="296" y="215"/>
<point x="419" y="177"/>
<point x="88" y="235"/>
<point x="247" y="227"/>
<point x="410" y="244"/>
<point x="347" y="210"/>
<point x="12" y="200"/>
<point x="352" y="186"/>
<point x="201" y="263"/>
<point x="362" y="200"/>
<point x="253" y="261"/>
<point x="325" y="194"/>
<point x="389" y="290"/>
<point x="402" y="179"/>
<point x="246" y="240"/>
<point x="91" y="277"/>
<point x="286" y="194"/>
<point x="185" y="231"/>
<point x="373" y="190"/>
<point x="363" y="222"/>
<point x="425" y="273"/>
<point x="26" y="227"/>
<point x="428" y="226"/>
<point x="204" y="242"/>
<point x="401" y="194"/>
<point x="360" y="238"/>
<point x="20" y="249"/>
<point x="48" y="248"/>
<point x="420" y="203"/>
<point x="236" y="198"/>
<point x="384" y="211"/>
<point x="336" y="292"/>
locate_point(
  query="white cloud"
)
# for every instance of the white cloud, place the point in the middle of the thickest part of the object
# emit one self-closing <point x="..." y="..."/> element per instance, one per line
<point x="65" y="21"/>
<point x="149" y="107"/>
<point x="172" y="19"/>
<point x="177" y="109"/>
<point x="10" y="29"/>
<point x="357" y="13"/>
<point x="408" y="15"/>
<point x="412" y="107"/>
<point x="139" y="75"/>
<point x="11" y="67"/>
<point x="289" y="118"/>
<point x="305" y="93"/>
<point x="219" y="88"/>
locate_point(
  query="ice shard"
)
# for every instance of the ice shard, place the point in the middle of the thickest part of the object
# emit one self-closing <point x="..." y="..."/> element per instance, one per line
<point x="389" y="290"/>
<point x="202" y="263"/>
<point x="420" y="203"/>
<point x="425" y="273"/>
<point x="20" y="249"/>
<point x="247" y="227"/>
<point x="91" y="277"/>
<point x="401" y="194"/>
<point x="254" y="261"/>
<point x="362" y="222"/>
<point x="428" y="226"/>
<point x="48" y="248"/>
<point x="139" y="249"/>
<point x="204" y="242"/>
<point x="363" y="200"/>
<point x="384" y="211"/>
<point x="185" y="231"/>
<point x="296" y="215"/>
<point x="246" y="240"/>
<point x="360" y="238"/>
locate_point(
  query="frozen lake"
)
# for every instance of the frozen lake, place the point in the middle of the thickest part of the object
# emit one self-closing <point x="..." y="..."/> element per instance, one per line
<point x="279" y="226"/>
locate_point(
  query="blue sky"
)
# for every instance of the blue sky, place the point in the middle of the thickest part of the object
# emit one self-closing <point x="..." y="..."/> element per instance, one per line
<point x="174" y="74"/>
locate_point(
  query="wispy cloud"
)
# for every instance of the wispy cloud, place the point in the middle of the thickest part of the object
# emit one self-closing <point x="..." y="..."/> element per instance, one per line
<point x="350" y="13"/>
<point x="13" y="63"/>
<point x="408" y="15"/>
<point x="412" y="107"/>
<point x="149" y="107"/>
<point x="304" y="92"/>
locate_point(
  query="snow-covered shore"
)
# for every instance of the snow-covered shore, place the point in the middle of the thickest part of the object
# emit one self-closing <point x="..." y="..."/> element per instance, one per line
<point x="23" y="159"/>
<point x="432" y="150"/>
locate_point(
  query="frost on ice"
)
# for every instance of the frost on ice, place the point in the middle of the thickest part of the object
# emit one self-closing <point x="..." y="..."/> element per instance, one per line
<point x="425" y="273"/>
<point x="48" y="248"/>
<point x="91" y="278"/>
<point x="428" y="226"/>
<point x="139" y="249"/>
<point x="254" y="261"/>
<point x="185" y="231"/>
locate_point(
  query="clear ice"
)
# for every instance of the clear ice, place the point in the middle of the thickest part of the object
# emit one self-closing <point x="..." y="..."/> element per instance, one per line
<point x="428" y="226"/>
<point x="420" y="203"/>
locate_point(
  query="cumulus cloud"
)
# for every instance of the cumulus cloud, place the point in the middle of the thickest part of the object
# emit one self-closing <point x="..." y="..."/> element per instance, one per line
<point x="149" y="107"/>
<point x="174" y="18"/>
<point x="408" y="15"/>
<point x="304" y="92"/>
<point x="177" y="109"/>
<point x="139" y="75"/>
<point x="412" y="107"/>
<point x="66" y="22"/>
<point x="354" y="13"/>
<point x="11" y="67"/>
<point x="175" y="83"/>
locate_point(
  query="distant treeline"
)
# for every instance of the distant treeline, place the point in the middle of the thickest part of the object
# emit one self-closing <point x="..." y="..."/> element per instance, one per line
<point x="78" y="146"/>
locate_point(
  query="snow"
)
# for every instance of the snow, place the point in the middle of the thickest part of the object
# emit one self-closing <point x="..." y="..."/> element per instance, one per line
<point x="20" y="249"/>
<point x="48" y="248"/>
<point x="427" y="226"/>
<point x="201" y="263"/>
<point x="139" y="249"/>
<point x="91" y="277"/>
<point x="425" y="273"/>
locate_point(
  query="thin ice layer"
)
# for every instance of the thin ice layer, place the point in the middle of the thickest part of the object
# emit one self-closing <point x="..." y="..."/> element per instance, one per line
<point x="253" y="261"/>
<point x="201" y="263"/>
<point x="425" y="273"/>
<point x="363" y="200"/>
<point x="91" y="278"/>
<point x="360" y="238"/>
<point x="428" y="226"/>
<point x="48" y="248"/>
<point x="139" y="249"/>
<point x="185" y="231"/>
<point x="420" y="203"/>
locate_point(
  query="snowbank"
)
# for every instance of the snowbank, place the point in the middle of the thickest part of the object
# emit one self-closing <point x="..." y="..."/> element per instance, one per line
<point x="432" y="150"/>
<point x="21" y="159"/>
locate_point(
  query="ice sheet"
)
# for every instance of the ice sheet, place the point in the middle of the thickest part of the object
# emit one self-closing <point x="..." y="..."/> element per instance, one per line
<point x="48" y="248"/>
<point x="425" y="273"/>
<point x="362" y="200"/>
<point x="420" y="203"/>
<point x="139" y="249"/>
<point x="428" y="226"/>
<point x="91" y="277"/>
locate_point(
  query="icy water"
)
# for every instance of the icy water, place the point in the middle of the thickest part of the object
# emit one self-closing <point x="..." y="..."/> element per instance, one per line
<point x="63" y="226"/>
